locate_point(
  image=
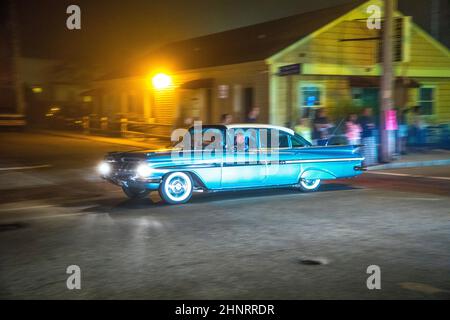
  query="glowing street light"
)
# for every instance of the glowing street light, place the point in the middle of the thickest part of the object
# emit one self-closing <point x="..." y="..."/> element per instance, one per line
<point x="161" y="81"/>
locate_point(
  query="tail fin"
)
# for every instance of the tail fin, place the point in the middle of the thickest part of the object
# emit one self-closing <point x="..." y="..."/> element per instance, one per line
<point x="334" y="131"/>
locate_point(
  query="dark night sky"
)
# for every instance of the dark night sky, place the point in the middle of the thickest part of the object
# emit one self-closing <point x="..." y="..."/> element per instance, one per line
<point x="114" y="30"/>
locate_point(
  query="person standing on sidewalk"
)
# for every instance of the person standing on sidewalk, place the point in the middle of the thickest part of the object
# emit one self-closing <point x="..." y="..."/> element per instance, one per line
<point x="402" y="132"/>
<point x="321" y="126"/>
<point x="303" y="128"/>
<point x="369" y="149"/>
<point x="353" y="130"/>
<point x="252" y="116"/>
<point x="226" y="119"/>
<point x="420" y="127"/>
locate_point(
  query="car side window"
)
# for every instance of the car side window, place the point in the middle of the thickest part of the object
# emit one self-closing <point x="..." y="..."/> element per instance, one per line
<point x="208" y="139"/>
<point x="265" y="138"/>
<point x="268" y="139"/>
<point x="298" y="142"/>
<point x="245" y="140"/>
<point x="283" y="140"/>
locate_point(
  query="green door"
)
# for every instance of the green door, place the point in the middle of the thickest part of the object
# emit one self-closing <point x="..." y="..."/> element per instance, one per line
<point x="368" y="97"/>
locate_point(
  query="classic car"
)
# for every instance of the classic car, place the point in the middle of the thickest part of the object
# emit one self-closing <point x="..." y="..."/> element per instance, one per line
<point x="229" y="157"/>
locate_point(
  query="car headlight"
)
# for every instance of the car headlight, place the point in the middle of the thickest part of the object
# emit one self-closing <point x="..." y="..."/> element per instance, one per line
<point x="143" y="170"/>
<point x="104" y="168"/>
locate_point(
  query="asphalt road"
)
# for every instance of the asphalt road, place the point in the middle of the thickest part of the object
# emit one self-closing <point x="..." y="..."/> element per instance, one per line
<point x="272" y="244"/>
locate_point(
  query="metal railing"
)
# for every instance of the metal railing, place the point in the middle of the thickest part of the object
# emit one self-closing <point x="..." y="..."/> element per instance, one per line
<point x="115" y="127"/>
<point x="434" y="136"/>
<point x="126" y="128"/>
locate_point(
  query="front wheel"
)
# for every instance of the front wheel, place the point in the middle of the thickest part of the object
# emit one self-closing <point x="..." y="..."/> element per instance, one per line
<point x="176" y="188"/>
<point x="309" y="185"/>
<point x="135" y="193"/>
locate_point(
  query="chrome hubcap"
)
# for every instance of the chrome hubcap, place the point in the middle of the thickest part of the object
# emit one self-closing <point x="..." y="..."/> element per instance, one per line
<point x="177" y="187"/>
<point x="310" y="183"/>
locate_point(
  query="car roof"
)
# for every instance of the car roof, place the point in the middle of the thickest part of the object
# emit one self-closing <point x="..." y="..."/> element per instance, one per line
<point x="259" y="126"/>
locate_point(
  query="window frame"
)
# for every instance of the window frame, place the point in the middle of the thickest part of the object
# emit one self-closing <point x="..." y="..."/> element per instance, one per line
<point x="299" y="137"/>
<point x="357" y="101"/>
<point x="433" y="101"/>
<point x="322" y="90"/>
<point x="289" y="136"/>
<point x="289" y="142"/>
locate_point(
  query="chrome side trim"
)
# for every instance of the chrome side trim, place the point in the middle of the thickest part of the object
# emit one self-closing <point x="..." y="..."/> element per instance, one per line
<point x="324" y="160"/>
<point x="208" y="164"/>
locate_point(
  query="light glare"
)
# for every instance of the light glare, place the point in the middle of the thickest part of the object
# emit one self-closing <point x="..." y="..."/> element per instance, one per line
<point x="161" y="81"/>
<point x="143" y="170"/>
<point x="104" y="168"/>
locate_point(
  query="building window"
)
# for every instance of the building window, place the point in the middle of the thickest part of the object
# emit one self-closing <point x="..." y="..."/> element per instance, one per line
<point x="37" y="89"/>
<point x="311" y="96"/>
<point x="223" y="91"/>
<point x="426" y="100"/>
<point x="87" y="99"/>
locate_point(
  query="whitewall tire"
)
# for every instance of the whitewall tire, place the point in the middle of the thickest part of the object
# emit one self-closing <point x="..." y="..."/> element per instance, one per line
<point x="176" y="188"/>
<point x="309" y="185"/>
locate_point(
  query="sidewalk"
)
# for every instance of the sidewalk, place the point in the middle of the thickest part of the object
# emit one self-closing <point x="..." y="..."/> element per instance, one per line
<point x="418" y="159"/>
<point x="142" y="143"/>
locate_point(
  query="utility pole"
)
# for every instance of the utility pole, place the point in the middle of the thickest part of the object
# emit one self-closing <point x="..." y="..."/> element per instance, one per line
<point x="18" y="85"/>
<point x="387" y="77"/>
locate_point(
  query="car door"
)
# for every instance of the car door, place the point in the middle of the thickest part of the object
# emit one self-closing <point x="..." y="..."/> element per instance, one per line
<point x="277" y="152"/>
<point x="205" y="156"/>
<point x="241" y="165"/>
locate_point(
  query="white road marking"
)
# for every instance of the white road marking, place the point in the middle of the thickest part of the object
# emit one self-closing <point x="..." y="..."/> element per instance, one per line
<point x="27" y="208"/>
<point x="62" y="203"/>
<point x="408" y="175"/>
<point x="26" y="167"/>
<point x="63" y="215"/>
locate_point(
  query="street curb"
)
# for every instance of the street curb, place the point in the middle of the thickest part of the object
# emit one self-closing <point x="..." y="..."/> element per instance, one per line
<point x="412" y="164"/>
<point x="116" y="141"/>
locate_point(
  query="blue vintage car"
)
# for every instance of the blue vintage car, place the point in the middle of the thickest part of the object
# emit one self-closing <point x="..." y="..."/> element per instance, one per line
<point x="229" y="157"/>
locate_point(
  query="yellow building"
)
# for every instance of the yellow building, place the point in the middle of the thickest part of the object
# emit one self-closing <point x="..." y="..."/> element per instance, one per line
<point x="326" y="58"/>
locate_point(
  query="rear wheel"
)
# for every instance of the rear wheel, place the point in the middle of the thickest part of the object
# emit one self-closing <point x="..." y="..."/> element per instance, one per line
<point x="176" y="188"/>
<point x="135" y="193"/>
<point x="309" y="185"/>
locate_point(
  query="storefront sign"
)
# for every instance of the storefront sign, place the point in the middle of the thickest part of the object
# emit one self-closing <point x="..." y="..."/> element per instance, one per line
<point x="289" y="69"/>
